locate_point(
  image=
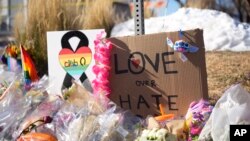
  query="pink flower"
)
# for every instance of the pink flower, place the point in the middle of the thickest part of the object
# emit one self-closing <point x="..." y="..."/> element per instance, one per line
<point x="102" y="68"/>
<point x="96" y="69"/>
<point x="103" y="75"/>
<point x="195" y="131"/>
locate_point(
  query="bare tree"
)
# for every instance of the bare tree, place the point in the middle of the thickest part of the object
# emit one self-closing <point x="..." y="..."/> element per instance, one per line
<point x="238" y="9"/>
<point x="243" y="8"/>
<point x="202" y="4"/>
<point x="235" y="8"/>
<point x="182" y="4"/>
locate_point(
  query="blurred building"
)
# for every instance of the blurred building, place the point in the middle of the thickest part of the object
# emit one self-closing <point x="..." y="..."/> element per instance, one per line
<point x="122" y="9"/>
<point x="8" y="9"/>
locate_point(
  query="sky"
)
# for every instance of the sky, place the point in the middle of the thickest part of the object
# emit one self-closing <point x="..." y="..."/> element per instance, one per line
<point x="172" y="7"/>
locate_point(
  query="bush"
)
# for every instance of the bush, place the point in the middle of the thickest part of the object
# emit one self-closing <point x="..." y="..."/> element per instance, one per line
<point x="55" y="15"/>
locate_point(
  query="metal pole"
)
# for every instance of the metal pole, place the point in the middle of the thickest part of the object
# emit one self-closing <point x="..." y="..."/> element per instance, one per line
<point x="139" y="17"/>
<point x="9" y="15"/>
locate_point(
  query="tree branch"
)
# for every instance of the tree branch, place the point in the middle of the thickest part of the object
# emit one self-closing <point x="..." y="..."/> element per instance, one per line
<point x="180" y="3"/>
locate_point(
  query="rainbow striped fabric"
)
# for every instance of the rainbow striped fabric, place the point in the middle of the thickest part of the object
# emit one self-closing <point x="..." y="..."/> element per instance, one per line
<point x="11" y="58"/>
<point x="29" y="70"/>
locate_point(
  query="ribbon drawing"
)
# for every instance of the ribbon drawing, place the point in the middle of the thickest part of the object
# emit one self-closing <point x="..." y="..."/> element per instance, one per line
<point x="74" y="62"/>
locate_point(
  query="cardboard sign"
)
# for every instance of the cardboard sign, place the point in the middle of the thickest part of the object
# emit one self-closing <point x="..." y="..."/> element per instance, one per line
<point x="147" y="72"/>
<point x="70" y="56"/>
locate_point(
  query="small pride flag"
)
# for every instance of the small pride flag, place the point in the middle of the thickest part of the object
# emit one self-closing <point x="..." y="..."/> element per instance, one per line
<point x="11" y="59"/>
<point x="29" y="70"/>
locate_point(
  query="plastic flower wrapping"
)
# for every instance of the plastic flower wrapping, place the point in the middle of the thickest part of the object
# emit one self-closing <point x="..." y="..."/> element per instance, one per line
<point x="35" y="114"/>
<point x="17" y="103"/>
<point x="197" y="116"/>
<point x="28" y="111"/>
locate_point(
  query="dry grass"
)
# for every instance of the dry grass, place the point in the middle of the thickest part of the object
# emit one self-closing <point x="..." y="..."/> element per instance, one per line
<point x="225" y="69"/>
<point x="53" y="15"/>
<point x="99" y="15"/>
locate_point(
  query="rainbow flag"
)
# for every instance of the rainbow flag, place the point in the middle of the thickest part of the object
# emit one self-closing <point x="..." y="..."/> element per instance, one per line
<point x="29" y="70"/>
<point x="10" y="58"/>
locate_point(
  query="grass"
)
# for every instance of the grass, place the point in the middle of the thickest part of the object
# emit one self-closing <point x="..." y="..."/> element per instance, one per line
<point x="56" y="15"/>
<point x="225" y="69"/>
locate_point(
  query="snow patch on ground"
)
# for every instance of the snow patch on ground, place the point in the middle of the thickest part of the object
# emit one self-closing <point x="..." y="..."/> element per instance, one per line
<point x="221" y="32"/>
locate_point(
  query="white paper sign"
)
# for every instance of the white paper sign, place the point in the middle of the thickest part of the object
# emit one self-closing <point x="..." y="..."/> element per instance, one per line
<point x="70" y="55"/>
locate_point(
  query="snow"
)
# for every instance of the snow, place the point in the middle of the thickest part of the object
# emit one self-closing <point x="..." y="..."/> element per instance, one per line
<point x="221" y="32"/>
